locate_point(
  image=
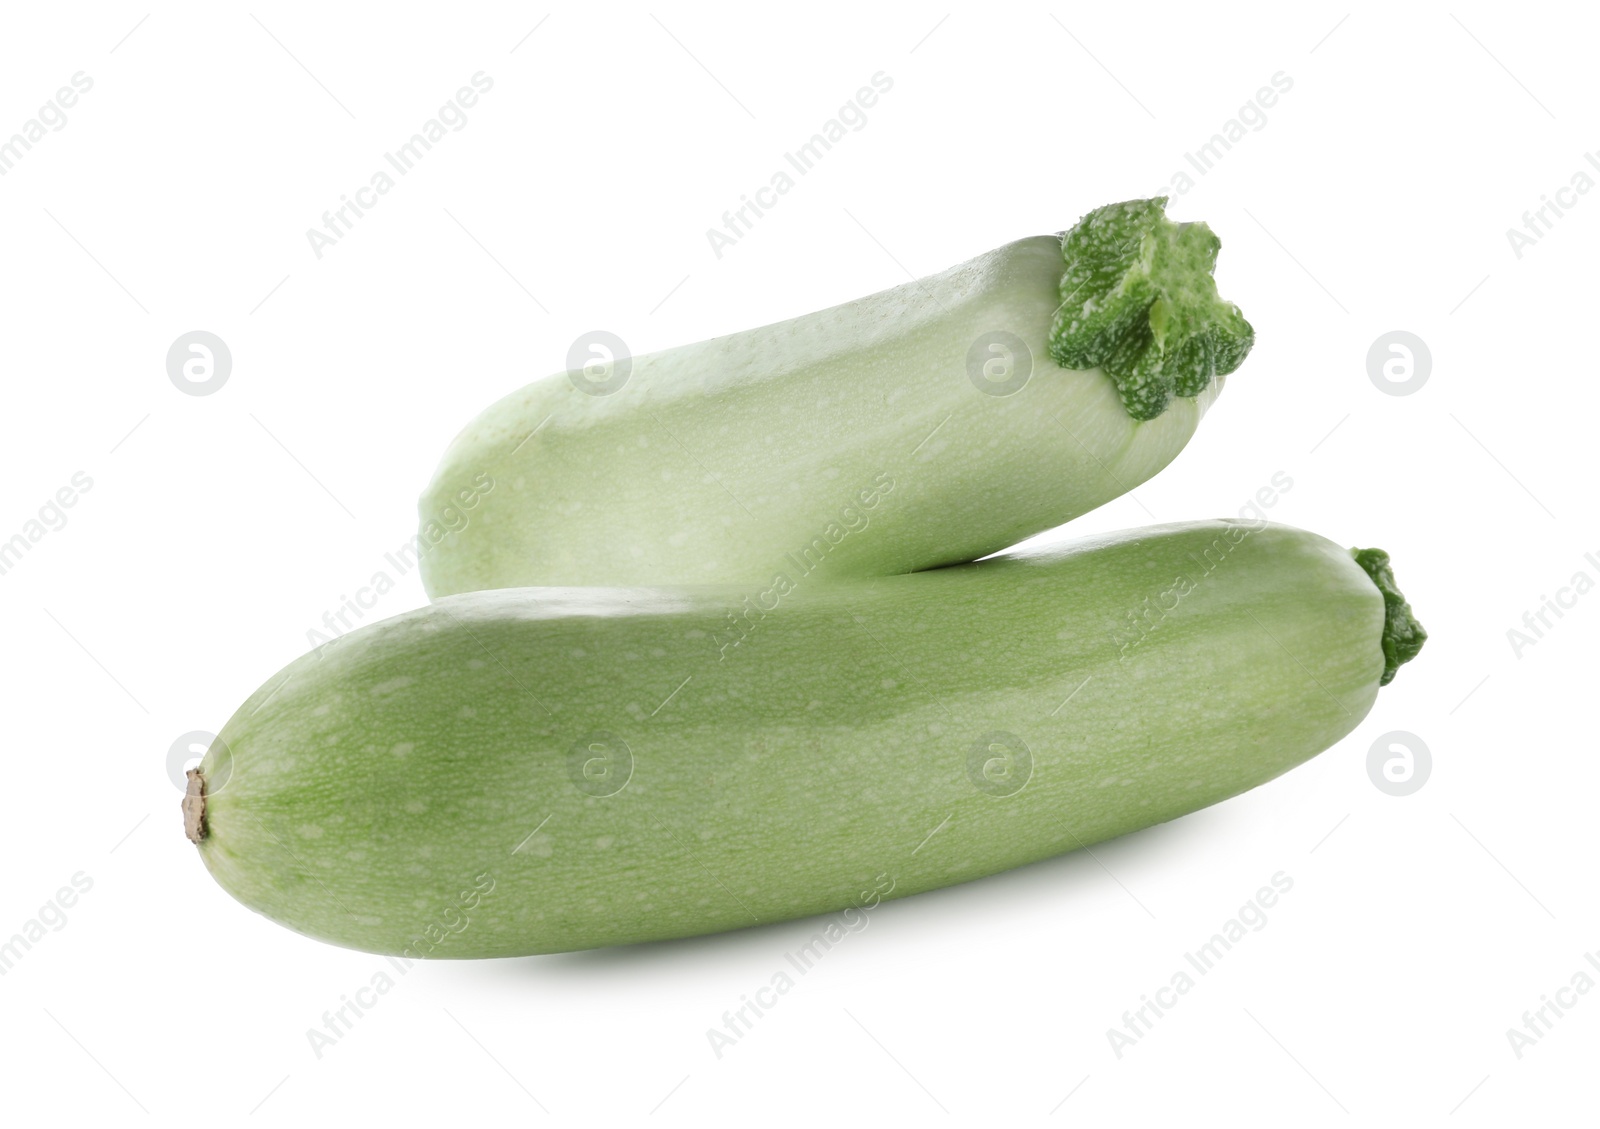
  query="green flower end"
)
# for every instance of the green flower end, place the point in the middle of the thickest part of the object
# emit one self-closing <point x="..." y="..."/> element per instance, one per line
<point x="1139" y="303"/>
<point x="1403" y="636"/>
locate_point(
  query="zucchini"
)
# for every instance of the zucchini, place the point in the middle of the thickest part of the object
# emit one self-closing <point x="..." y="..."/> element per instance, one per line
<point x="540" y="770"/>
<point x="857" y="441"/>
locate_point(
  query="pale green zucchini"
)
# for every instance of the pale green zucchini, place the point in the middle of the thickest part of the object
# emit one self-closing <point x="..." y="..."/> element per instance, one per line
<point x="537" y="770"/>
<point x="924" y="425"/>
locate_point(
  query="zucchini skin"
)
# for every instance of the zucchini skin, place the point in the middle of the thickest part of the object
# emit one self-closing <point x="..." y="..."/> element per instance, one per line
<point x="451" y="782"/>
<point x="716" y="461"/>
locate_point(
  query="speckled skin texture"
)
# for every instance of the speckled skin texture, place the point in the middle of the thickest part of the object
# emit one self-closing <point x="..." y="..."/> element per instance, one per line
<point x="715" y="460"/>
<point x="437" y="784"/>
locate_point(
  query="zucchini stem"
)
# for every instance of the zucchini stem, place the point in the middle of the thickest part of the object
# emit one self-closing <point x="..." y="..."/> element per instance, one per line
<point x="194" y="806"/>
<point x="1138" y="302"/>
<point x="1403" y="636"/>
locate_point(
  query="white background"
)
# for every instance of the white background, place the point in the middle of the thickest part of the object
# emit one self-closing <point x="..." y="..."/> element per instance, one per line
<point x="220" y="528"/>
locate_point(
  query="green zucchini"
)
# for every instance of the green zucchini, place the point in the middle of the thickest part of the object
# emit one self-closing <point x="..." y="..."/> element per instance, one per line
<point x="929" y="424"/>
<point x="539" y="770"/>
